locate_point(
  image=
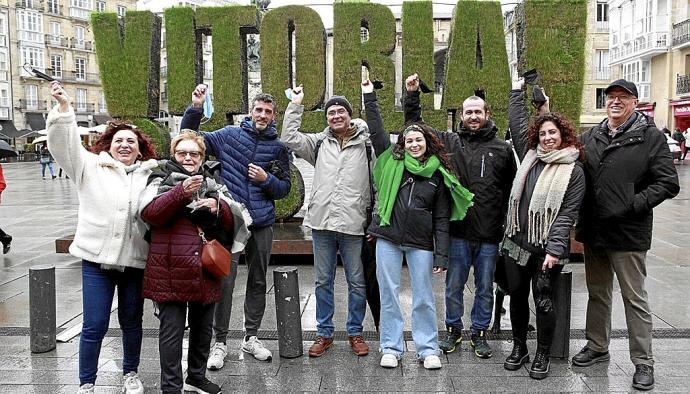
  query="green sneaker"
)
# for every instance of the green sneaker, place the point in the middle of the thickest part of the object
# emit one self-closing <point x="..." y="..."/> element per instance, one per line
<point x="480" y="345"/>
<point x="451" y="341"/>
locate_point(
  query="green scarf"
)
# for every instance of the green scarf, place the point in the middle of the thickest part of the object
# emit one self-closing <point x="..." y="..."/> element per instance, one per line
<point x="388" y="174"/>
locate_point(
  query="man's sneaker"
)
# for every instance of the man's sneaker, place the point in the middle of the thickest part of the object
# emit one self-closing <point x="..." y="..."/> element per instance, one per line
<point x="432" y="362"/>
<point x="389" y="361"/>
<point x="643" y="379"/>
<point x="253" y="346"/>
<point x="217" y="358"/>
<point x="452" y="340"/>
<point x="6" y="244"/>
<point x="519" y="356"/>
<point x="320" y="345"/>
<point x="132" y="384"/>
<point x="540" y="365"/>
<point x="86" y="389"/>
<point x="480" y="345"/>
<point x="359" y="347"/>
<point x="588" y="357"/>
<point x="204" y="386"/>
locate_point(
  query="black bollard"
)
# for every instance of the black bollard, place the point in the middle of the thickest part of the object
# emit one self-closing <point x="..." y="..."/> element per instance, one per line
<point x="42" y="308"/>
<point x="560" y="347"/>
<point x="288" y="316"/>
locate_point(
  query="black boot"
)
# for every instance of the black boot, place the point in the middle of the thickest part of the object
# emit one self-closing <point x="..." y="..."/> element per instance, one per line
<point x="519" y="356"/>
<point x="540" y="365"/>
<point x="6" y="243"/>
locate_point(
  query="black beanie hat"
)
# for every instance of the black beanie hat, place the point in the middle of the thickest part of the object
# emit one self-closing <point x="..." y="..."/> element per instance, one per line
<point x="338" y="100"/>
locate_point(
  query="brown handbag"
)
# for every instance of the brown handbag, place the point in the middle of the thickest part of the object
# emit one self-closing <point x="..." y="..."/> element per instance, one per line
<point x="215" y="259"/>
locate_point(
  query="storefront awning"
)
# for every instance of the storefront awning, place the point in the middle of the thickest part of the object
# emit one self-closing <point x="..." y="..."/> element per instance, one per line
<point x="101" y="119"/>
<point x="36" y="120"/>
<point x="7" y="128"/>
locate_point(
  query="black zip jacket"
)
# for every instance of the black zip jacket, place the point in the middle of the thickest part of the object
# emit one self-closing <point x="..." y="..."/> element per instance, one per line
<point x="626" y="177"/>
<point x="485" y="165"/>
<point x="420" y="216"/>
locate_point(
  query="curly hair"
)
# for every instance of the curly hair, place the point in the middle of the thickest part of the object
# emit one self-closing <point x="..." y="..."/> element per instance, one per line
<point x="434" y="146"/>
<point x="566" y="128"/>
<point x="146" y="148"/>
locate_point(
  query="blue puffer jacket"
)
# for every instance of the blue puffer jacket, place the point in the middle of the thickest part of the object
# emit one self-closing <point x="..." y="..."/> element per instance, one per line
<point x="236" y="147"/>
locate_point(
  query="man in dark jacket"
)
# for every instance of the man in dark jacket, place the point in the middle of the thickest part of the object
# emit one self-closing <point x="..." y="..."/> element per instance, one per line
<point x="486" y="166"/>
<point x="629" y="171"/>
<point x="256" y="170"/>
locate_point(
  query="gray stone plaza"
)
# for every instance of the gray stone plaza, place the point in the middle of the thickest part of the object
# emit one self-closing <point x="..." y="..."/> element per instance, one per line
<point x="36" y="212"/>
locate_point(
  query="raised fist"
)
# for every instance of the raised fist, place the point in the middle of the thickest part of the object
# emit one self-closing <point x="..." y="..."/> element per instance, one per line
<point x="199" y="95"/>
<point x="412" y="83"/>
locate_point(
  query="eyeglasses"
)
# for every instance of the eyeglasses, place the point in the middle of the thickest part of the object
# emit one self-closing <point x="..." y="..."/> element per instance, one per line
<point x="336" y="112"/>
<point x="621" y="97"/>
<point x="183" y="154"/>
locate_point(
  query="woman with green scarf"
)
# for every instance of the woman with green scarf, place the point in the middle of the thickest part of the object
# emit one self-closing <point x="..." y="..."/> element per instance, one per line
<point x="417" y="195"/>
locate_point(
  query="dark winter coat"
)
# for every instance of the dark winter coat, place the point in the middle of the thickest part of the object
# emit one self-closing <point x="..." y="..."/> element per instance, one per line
<point x="558" y="242"/>
<point x="485" y="165"/>
<point x="173" y="270"/>
<point x="626" y="178"/>
<point x="420" y="216"/>
<point x="236" y="147"/>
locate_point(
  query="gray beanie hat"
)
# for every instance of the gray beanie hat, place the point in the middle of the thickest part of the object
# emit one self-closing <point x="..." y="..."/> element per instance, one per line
<point x="338" y="100"/>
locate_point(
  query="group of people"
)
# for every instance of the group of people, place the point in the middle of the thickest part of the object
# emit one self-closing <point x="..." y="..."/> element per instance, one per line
<point x="446" y="201"/>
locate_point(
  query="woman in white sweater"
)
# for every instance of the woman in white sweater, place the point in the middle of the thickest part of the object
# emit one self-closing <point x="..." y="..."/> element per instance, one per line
<point x="110" y="235"/>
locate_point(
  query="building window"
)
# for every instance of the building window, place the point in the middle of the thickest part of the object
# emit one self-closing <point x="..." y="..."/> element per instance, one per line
<point x="121" y="11"/>
<point x="79" y="34"/>
<point x="30" y="25"/>
<point x="3" y="67"/>
<point x="4" y="98"/>
<point x="363" y="34"/>
<point x="32" y="56"/>
<point x="56" y="65"/>
<point x="80" y="8"/>
<point x="102" y="107"/>
<point x="601" y="98"/>
<point x="100" y="6"/>
<point x="601" y="65"/>
<point x="80" y="68"/>
<point x="53" y="7"/>
<point x="81" y="100"/>
<point x="602" y="12"/>
<point x="31" y="94"/>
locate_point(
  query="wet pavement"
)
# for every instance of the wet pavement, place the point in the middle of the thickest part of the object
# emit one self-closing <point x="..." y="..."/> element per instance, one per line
<point x="36" y="212"/>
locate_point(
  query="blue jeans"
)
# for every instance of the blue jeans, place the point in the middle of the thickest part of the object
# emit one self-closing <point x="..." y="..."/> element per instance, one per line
<point x="97" y="298"/>
<point x="50" y="167"/>
<point x="424" y="328"/>
<point x="463" y="255"/>
<point x="326" y="245"/>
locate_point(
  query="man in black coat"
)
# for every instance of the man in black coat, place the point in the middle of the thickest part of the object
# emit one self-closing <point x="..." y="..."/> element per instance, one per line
<point x="486" y="166"/>
<point x="629" y="170"/>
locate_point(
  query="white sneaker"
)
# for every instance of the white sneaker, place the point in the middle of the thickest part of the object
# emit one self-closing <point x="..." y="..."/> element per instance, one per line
<point x="86" y="389"/>
<point x="217" y="358"/>
<point x="132" y="384"/>
<point x="254" y="347"/>
<point x="389" y="361"/>
<point x="432" y="362"/>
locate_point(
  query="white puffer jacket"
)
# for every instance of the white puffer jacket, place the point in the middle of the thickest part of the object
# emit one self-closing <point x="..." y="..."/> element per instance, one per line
<point x="109" y="230"/>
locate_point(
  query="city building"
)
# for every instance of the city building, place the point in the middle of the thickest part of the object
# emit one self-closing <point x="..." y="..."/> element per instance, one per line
<point x="597" y="71"/>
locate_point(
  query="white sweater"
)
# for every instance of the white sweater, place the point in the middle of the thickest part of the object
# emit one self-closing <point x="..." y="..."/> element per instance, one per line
<point x="109" y="230"/>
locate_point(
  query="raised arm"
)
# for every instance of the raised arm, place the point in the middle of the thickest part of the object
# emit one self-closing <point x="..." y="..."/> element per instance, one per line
<point x="301" y="143"/>
<point x="380" y="139"/>
<point x="518" y="117"/>
<point x="411" y="105"/>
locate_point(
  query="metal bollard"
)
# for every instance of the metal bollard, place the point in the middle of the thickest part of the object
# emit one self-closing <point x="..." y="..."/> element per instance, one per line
<point x="288" y="316"/>
<point x="560" y="347"/>
<point x="42" y="318"/>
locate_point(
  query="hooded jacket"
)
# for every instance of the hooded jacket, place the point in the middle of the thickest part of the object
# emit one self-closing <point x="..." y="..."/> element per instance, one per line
<point x="485" y="166"/>
<point x="626" y="178"/>
<point x="340" y="191"/>
<point x="236" y="147"/>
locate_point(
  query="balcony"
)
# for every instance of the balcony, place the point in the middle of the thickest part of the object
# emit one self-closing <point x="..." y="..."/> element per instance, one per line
<point x="30" y="4"/>
<point x="681" y="34"/>
<point x="54" y="9"/>
<point x="645" y="47"/>
<point x="84" y="108"/>
<point x="81" y="77"/>
<point x="57" y="74"/>
<point x="601" y="73"/>
<point x="682" y="85"/>
<point x="4" y="112"/>
<point x="33" y="105"/>
<point x="30" y="36"/>
<point x="56" y="41"/>
<point x="81" y="44"/>
<point x="602" y="26"/>
<point x="79" y="13"/>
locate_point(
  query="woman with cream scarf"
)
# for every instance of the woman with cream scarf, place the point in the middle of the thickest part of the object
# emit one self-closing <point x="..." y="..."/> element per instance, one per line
<point x="543" y="206"/>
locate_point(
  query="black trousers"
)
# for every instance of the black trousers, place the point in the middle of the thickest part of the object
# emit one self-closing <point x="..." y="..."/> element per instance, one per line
<point x="3" y="234"/>
<point x="520" y="278"/>
<point x="172" y="327"/>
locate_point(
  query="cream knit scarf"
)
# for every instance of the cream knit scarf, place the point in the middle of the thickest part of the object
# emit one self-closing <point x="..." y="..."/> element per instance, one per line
<point x="548" y="192"/>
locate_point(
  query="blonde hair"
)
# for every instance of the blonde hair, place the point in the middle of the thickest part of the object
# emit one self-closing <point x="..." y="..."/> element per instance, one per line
<point x="188" y="134"/>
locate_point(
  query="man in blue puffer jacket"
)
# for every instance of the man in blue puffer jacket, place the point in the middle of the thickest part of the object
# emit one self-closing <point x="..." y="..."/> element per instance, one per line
<point x="256" y="170"/>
